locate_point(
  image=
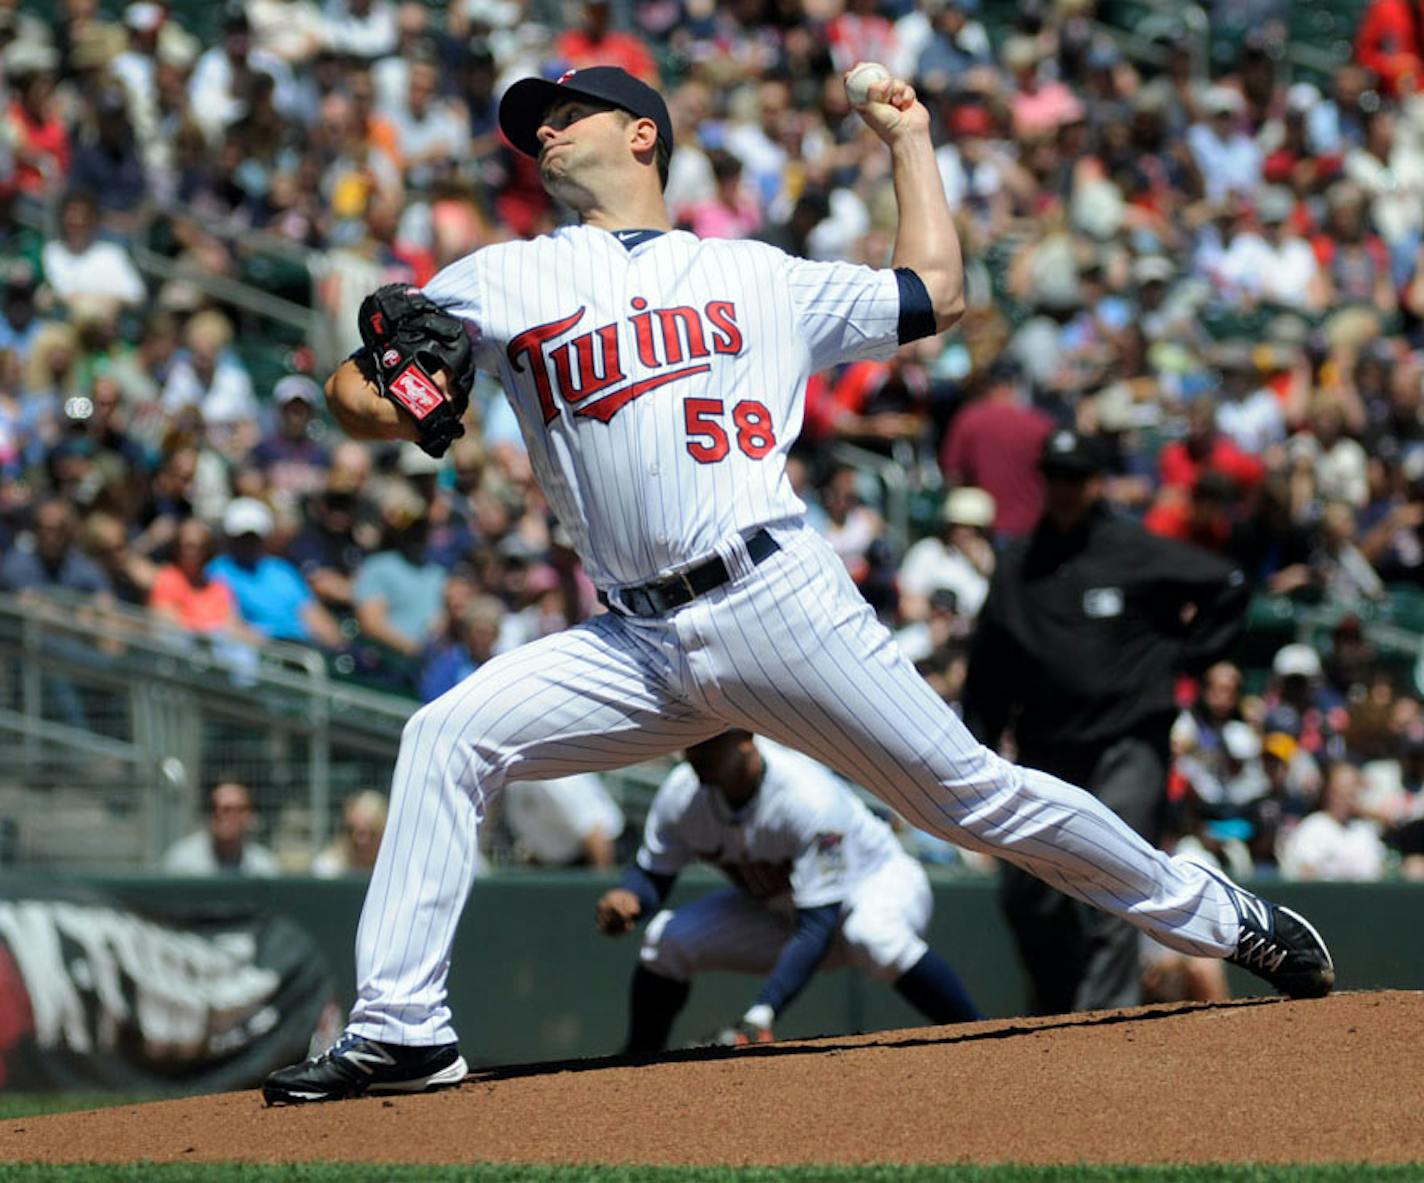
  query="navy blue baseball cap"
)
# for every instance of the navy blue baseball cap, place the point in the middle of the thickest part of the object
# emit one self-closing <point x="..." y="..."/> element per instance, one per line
<point x="525" y="104"/>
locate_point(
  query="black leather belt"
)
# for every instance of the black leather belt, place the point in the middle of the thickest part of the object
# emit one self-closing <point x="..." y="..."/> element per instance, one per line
<point x="661" y="597"/>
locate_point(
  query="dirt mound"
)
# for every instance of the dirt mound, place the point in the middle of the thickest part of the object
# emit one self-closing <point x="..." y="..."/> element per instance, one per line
<point x="1338" y="1079"/>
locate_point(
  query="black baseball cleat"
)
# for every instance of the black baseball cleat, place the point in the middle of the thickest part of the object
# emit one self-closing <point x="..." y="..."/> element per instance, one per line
<point x="354" y="1066"/>
<point x="1278" y="945"/>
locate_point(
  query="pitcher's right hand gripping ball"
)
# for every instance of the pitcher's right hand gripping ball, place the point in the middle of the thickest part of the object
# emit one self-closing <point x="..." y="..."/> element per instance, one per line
<point x="409" y="338"/>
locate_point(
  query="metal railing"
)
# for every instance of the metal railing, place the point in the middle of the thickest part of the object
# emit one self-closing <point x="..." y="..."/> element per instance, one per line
<point x="112" y="722"/>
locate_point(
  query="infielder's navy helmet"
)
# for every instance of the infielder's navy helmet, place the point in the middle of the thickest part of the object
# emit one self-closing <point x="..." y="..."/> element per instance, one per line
<point x="522" y="110"/>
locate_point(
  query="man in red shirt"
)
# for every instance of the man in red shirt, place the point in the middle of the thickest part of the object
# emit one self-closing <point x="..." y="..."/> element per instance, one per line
<point x="994" y="444"/>
<point x="593" y="43"/>
<point x="1390" y="42"/>
<point x="1203" y="449"/>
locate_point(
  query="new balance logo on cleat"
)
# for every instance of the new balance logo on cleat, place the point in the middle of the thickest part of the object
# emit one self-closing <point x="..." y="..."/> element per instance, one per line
<point x="354" y="1066"/>
<point x="368" y="1057"/>
<point x="1278" y="945"/>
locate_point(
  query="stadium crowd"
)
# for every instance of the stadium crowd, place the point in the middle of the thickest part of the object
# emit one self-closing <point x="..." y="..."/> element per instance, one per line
<point x="1216" y="273"/>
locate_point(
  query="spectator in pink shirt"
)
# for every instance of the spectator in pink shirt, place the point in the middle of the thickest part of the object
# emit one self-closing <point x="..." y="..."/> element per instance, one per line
<point x="1039" y="108"/>
<point x="732" y="211"/>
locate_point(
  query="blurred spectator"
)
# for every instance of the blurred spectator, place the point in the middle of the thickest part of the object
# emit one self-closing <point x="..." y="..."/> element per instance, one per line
<point x="432" y="132"/>
<point x="852" y="528"/>
<point x="1389" y="41"/>
<point x="224" y="78"/>
<point x="52" y="560"/>
<point x="339" y="521"/>
<point x="994" y="444"/>
<point x="397" y="592"/>
<point x="354" y="850"/>
<point x="224" y="846"/>
<point x="1204" y="517"/>
<point x="1300" y="704"/>
<point x="1354" y="257"/>
<point x="107" y="162"/>
<point x="1335" y="842"/>
<point x="186" y="594"/>
<point x="1271" y="544"/>
<point x="569" y="821"/>
<point x="294" y="462"/>
<point x="1248" y="413"/>
<point x="1292" y="788"/>
<point x="959" y="559"/>
<point x="1204" y="447"/>
<point x="1339" y="463"/>
<point x="1343" y="574"/>
<point x="1197" y="732"/>
<point x="19" y="325"/>
<point x="209" y="375"/>
<point x="593" y="41"/>
<point x="78" y="265"/>
<point x="1390" y="169"/>
<point x="1273" y="263"/>
<point x="952" y="43"/>
<point x="362" y="29"/>
<point x="732" y="211"/>
<point x="130" y="575"/>
<point x="34" y="128"/>
<point x="270" y="592"/>
<point x="469" y="641"/>
<point x="1227" y="158"/>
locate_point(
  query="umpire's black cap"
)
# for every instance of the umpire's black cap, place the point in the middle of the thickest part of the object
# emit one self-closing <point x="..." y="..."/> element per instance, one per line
<point x="522" y="110"/>
<point x="1072" y="456"/>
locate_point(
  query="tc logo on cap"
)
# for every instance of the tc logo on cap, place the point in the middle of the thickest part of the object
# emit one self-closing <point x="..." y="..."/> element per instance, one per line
<point x="566" y="75"/>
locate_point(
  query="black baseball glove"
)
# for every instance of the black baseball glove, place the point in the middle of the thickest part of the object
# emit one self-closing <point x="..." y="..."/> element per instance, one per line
<point x="409" y="338"/>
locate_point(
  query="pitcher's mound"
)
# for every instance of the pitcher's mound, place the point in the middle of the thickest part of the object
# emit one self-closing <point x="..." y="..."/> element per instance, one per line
<point x="1339" y="1079"/>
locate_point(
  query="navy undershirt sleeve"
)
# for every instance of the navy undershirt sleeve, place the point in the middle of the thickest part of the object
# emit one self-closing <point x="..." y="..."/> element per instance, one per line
<point x="917" y="318"/>
<point x="807" y="948"/>
<point x="650" y="889"/>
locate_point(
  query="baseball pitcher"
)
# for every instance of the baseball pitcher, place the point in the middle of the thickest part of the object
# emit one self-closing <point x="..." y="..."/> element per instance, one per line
<point x="658" y="380"/>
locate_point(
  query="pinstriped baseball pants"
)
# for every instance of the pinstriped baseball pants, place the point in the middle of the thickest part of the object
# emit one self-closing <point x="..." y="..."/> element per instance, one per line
<point x="788" y="649"/>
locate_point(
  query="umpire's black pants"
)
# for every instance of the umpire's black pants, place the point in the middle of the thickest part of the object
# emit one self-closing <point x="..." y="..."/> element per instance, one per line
<point x="1076" y="957"/>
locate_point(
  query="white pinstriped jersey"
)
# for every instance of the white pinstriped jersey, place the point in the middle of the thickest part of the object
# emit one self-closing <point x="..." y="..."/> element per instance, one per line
<point x="658" y="388"/>
<point x="804" y="834"/>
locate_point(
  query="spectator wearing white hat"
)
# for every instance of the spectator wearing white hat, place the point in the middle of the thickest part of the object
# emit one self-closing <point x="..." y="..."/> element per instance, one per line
<point x="271" y="594"/>
<point x="1300" y="703"/>
<point x="294" y="462"/>
<point x="960" y="558"/>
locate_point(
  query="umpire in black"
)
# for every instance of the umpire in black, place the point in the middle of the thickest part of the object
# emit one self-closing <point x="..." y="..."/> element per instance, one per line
<point x="1087" y="623"/>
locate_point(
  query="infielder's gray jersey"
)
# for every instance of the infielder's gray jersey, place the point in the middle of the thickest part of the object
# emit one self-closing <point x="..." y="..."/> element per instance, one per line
<point x="594" y="340"/>
<point x="804" y="835"/>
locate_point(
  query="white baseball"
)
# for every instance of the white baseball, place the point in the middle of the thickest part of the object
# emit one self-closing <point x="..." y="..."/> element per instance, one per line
<point x="859" y="81"/>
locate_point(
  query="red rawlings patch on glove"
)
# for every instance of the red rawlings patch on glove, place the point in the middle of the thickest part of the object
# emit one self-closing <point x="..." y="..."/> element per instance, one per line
<point x="415" y="391"/>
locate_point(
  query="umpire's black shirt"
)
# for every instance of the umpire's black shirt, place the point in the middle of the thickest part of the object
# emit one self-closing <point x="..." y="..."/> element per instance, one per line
<point x="1082" y="635"/>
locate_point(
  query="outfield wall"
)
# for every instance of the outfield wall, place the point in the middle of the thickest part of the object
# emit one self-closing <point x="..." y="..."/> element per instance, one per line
<point x="533" y="980"/>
